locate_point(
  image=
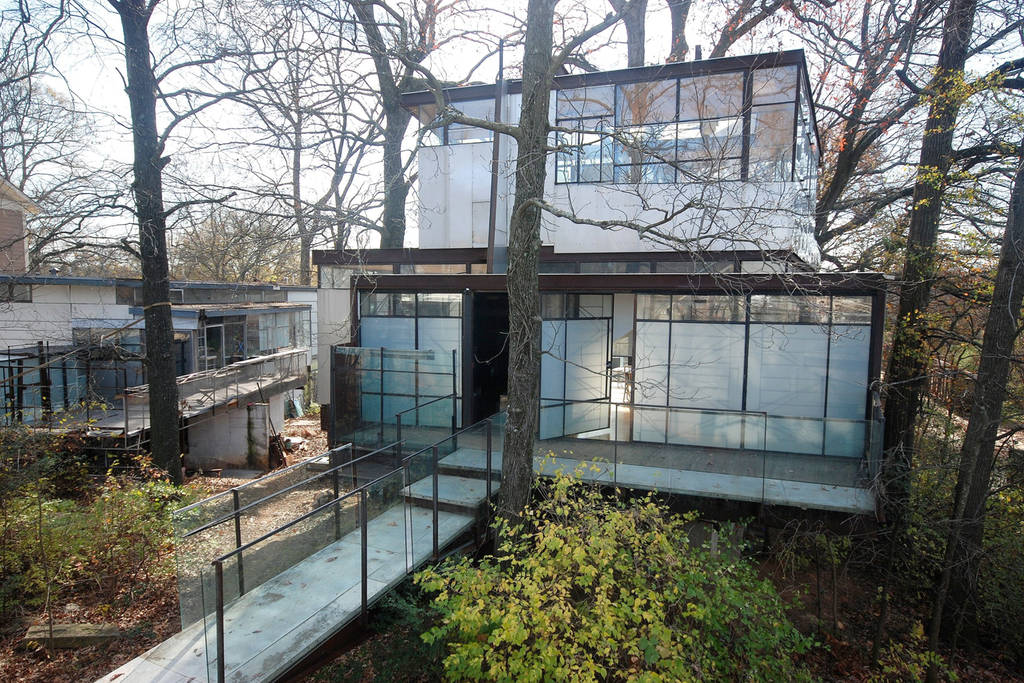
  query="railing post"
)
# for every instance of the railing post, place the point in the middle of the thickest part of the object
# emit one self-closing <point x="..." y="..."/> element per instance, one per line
<point x="363" y="554"/>
<point x="434" y="504"/>
<point x="489" y="450"/>
<point x="218" y="569"/>
<point x="238" y="542"/>
<point x="337" y="505"/>
<point x="398" y="429"/>
<point x="615" y="446"/>
<point x="380" y="431"/>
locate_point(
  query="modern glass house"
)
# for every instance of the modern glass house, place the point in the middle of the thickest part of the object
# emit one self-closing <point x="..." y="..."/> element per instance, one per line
<point x="690" y="344"/>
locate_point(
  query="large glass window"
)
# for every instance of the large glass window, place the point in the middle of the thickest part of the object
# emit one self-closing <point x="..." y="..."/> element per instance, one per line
<point x="677" y="130"/>
<point x="802" y="360"/>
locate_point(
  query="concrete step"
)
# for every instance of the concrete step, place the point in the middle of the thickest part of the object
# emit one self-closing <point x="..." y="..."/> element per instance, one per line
<point x="453" y="492"/>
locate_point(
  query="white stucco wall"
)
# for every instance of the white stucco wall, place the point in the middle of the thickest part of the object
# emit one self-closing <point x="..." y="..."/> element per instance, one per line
<point x="334" y="321"/>
<point x="454" y="192"/>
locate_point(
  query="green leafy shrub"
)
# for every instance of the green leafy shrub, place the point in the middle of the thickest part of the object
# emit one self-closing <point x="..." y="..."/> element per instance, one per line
<point x="111" y="544"/>
<point x="588" y="588"/>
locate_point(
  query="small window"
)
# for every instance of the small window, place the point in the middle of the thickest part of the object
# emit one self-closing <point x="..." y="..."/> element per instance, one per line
<point x="653" y="306"/>
<point x="708" y="307"/>
<point x="771" y="86"/>
<point x="589" y="305"/>
<point x="552" y="306"/>
<point x="851" y="310"/>
<point x="459" y="133"/>
<point x="616" y="267"/>
<point x="440" y="305"/>
<point x="14" y="292"/>
<point x="710" y="97"/>
<point x="780" y="308"/>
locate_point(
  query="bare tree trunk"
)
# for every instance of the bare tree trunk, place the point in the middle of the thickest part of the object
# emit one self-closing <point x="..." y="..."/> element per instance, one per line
<point x="680" y="11"/>
<point x="148" y="188"/>
<point x="396" y="186"/>
<point x="396" y="121"/>
<point x="907" y="375"/>
<point x="977" y="454"/>
<point x="305" y="239"/>
<point x="523" y="255"/>
<point x="633" y="14"/>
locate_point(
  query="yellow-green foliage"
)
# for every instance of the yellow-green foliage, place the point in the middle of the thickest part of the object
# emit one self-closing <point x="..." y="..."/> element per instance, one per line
<point x="589" y="588"/>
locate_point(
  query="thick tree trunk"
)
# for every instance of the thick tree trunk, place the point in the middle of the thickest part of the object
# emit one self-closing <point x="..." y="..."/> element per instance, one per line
<point x="680" y="11"/>
<point x="396" y="122"/>
<point x="907" y="376"/>
<point x="396" y="186"/>
<point x="148" y="188"/>
<point x="977" y="454"/>
<point x="633" y="14"/>
<point x="523" y="255"/>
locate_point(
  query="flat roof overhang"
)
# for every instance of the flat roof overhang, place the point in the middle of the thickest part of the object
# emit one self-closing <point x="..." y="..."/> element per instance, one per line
<point x="478" y="256"/>
<point x="637" y="74"/>
<point x="867" y="284"/>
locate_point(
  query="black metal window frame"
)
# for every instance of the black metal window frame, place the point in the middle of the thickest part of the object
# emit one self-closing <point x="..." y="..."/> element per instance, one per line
<point x="672" y="161"/>
<point x="396" y="310"/>
<point x="747" y="321"/>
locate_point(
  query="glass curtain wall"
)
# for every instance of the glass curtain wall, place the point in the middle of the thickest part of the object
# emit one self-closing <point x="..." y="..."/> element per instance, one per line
<point x="688" y="130"/>
<point x="575" y="359"/>
<point x="803" y="360"/>
<point x="424" y="322"/>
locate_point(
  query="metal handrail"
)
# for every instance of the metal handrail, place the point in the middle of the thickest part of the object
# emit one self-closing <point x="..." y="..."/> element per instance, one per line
<point x="263" y="479"/>
<point x="423" y="405"/>
<point x="361" y="491"/>
<point x="248" y="506"/>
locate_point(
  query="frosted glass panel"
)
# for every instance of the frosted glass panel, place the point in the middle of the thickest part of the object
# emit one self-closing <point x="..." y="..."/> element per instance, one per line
<point x="844" y="439"/>
<point x="707" y="366"/>
<point x="651" y="363"/>
<point x="793" y="435"/>
<point x="586" y="355"/>
<point x="551" y="421"/>
<point x="786" y="374"/>
<point x="391" y="333"/>
<point x="442" y="335"/>
<point x="370" y="405"/>
<point x="848" y="371"/>
<point x="649" y="424"/>
<point x="701" y="428"/>
<point x="552" y="367"/>
<point x="586" y="417"/>
<point x="394" y="405"/>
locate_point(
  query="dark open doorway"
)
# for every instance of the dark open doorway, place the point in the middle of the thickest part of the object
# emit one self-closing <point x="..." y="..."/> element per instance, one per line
<point x="489" y="353"/>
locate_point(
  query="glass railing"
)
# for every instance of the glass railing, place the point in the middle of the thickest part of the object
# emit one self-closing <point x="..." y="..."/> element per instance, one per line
<point x="228" y="520"/>
<point x="376" y="389"/>
<point x="339" y="538"/>
<point x="734" y="454"/>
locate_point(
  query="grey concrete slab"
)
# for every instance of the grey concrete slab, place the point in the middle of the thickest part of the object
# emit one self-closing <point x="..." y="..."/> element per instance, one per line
<point x="452" y="490"/>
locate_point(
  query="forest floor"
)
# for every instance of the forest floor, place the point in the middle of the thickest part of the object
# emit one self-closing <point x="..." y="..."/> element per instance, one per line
<point x="146" y="614"/>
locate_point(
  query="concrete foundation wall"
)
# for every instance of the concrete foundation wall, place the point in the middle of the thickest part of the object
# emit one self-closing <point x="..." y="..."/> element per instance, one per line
<point x="236" y="437"/>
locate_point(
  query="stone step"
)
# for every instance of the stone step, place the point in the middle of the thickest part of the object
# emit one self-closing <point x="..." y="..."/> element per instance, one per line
<point x="72" y="635"/>
<point x="452" y="491"/>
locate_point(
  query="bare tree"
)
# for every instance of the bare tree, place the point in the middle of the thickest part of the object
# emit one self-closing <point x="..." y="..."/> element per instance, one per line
<point x="229" y="245"/>
<point x="977" y="454"/>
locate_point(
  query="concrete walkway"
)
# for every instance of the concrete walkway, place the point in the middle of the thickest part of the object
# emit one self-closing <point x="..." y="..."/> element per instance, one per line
<point x="848" y="499"/>
<point x="275" y="625"/>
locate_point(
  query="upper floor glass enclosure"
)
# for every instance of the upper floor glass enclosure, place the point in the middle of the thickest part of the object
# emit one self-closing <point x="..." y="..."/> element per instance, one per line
<point x="748" y="119"/>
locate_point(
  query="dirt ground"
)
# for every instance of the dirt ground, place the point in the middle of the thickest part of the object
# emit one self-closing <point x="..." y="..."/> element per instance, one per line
<point x="150" y="614"/>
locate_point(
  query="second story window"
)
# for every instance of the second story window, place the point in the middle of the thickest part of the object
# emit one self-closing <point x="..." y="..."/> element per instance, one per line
<point x="585" y="154"/>
<point x="746" y="124"/>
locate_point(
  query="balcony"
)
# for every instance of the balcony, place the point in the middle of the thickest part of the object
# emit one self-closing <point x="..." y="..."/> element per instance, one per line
<point x="204" y="392"/>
